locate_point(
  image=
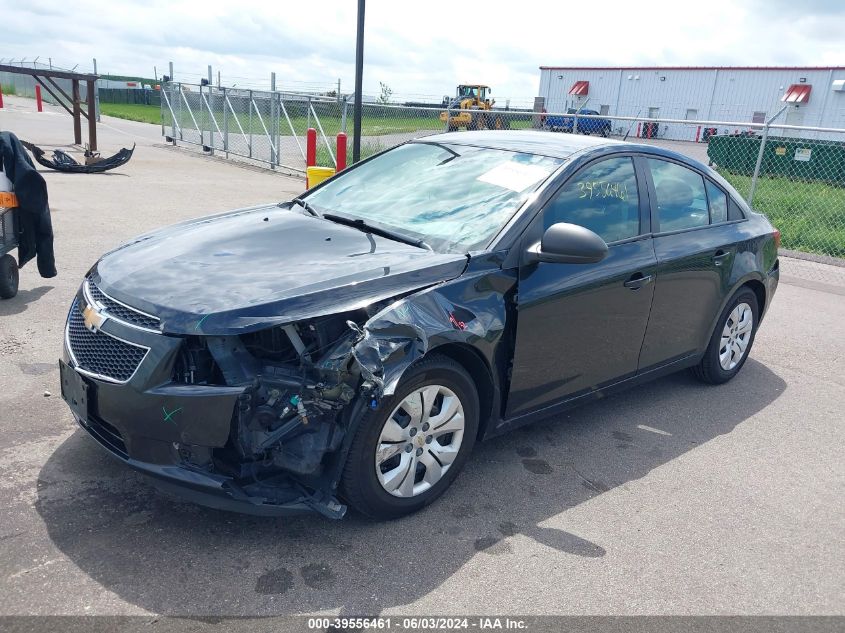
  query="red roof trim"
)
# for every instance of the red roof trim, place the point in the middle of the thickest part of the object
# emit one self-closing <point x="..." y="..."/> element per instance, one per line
<point x="692" y="67"/>
<point x="797" y="93"/>
<point x="580" y="88"/>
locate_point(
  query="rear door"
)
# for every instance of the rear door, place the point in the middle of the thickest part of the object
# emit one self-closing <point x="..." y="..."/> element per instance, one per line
<point x="694" y="241"/>
<point x="580" y="326"/>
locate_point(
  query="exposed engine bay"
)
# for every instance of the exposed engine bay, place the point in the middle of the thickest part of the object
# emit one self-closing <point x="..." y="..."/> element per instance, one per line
<point x="299" y="380"/>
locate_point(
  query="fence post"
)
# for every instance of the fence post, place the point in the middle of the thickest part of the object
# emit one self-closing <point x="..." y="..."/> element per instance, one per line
<point x="211" y="121"/>
<point x="202" y="136"/>
<point x="278" y="124"/>
<point x="225" y="117"/>
<point x="273" y="157"/>
<point x="343" y="115"/>
<point x="250" y="124"/>
<point x="96" y="93"/>
<point x="759" y="163"/>
<point x="179" y="93"/>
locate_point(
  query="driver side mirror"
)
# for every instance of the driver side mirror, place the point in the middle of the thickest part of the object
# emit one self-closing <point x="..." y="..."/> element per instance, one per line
<point x="565" y="243"/>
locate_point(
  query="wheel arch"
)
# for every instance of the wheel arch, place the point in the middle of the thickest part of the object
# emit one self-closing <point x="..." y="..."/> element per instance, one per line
<point x="759" y="289"/>
<point x="754" y="284"/>
<point x="482" y="376"/>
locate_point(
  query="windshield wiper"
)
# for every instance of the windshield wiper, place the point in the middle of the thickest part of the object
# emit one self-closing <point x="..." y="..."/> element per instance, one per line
<point x="307" y="206"/>
<point x="369" y="228"/>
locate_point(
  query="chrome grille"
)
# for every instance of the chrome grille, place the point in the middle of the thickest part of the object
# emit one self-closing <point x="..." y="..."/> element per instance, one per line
<point x="98" y="353"/>
<point x="120" y="311"/>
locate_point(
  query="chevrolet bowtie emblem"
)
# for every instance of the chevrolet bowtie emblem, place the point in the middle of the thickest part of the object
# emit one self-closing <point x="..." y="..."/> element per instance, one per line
<point x="93" y="319"/>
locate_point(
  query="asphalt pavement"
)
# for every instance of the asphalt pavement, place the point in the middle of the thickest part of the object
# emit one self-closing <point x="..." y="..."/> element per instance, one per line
<point x="673" y="498"/>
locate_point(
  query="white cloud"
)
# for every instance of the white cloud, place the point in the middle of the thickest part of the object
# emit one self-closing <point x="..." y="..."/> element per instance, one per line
<point x="418" y="48"/>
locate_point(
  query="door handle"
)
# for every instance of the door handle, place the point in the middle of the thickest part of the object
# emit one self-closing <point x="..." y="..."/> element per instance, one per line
<point x="720" y="257"/>
<point x="637" y="281"/>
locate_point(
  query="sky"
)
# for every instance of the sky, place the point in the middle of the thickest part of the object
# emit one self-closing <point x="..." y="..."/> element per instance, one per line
<point x="419" y="49"/>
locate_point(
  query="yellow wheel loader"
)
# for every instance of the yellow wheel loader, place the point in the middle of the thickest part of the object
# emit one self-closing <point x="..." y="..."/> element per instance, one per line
<point x="473" y="109"/>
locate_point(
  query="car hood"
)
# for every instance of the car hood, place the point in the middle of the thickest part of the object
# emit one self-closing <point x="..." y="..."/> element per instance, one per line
<point x="253" y="268"/>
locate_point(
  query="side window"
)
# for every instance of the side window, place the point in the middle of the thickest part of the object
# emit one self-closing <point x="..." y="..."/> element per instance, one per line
<point x="718" y="203"/>
<point x="602" y="197"/>
<point x="734" y="212"/>
<point x="681" y="199"/>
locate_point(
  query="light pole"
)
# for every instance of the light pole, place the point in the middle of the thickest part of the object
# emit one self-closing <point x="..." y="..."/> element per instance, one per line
<point x="359" y="76"/>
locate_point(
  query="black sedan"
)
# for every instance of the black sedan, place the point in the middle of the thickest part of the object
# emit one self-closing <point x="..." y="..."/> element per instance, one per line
<point x="352" y="345"/>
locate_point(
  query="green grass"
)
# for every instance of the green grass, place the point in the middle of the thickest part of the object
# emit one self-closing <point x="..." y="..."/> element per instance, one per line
<point x="810" y="215"/>
<point x="368" y="148"/>
<point x="132" y="112"/>
<point x="371" y="125"/>
<point x="8" y="89"/>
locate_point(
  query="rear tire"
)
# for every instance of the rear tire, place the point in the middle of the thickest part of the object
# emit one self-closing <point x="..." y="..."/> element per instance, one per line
<point x="364" y="482"/>
<point x="9" y="277"/>
<point x="732" y="340"/>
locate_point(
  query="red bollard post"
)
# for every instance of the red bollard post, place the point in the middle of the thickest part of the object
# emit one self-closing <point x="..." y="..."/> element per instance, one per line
<point x="310" y="152"/>
<point x="1" y="96"/>
<point x="38" y="102"/>
<point x="341" y="151"/>
<point x="311" y="147"/>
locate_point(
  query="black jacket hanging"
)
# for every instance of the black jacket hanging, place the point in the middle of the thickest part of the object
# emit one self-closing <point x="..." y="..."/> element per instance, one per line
<point x="35" y="230"/>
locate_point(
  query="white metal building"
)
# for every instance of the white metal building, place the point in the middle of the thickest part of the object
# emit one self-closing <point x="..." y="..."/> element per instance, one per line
<point x="816" y="95"/>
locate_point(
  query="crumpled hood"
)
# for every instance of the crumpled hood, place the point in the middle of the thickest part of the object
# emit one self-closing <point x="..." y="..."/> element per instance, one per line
<point x="253" y="268"/>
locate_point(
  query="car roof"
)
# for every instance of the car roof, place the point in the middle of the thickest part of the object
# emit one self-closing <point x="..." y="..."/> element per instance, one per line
<point x="551" y="144"/>
<point x="557" y="145"/>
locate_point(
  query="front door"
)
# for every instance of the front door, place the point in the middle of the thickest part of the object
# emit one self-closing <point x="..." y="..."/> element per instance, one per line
<point x="581" y="326"/>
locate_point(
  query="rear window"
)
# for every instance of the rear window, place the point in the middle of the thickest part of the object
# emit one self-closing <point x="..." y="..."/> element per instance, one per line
<point x="734" y="211"/>
<point x="718" y="203"/>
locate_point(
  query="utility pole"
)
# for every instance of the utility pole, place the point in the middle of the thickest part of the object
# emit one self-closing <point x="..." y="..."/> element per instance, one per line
<point x="359" y="81"/>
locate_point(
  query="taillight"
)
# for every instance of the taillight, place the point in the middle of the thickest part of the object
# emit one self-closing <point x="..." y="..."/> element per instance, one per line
<point x="777" y="238"/>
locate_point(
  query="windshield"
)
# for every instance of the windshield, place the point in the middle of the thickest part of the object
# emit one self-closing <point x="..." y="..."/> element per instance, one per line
<point x="455" y="198"/>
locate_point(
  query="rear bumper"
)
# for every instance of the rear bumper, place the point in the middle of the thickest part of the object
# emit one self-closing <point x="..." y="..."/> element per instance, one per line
<point x="772" y="280"/>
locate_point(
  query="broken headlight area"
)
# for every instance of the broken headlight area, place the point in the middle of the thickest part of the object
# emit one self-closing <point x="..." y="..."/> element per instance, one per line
<point x="299" y="382"/>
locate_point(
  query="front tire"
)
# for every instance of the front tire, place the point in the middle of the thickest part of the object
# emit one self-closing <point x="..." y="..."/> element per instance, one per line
<point x="9" y="277"/>
<point x="731" y="341"/>
<point x="406" y="454"/>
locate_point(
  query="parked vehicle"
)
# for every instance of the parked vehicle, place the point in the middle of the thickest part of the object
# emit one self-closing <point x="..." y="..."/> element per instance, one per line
<point x="352" y="345"/>
<point x="558" y="123"/>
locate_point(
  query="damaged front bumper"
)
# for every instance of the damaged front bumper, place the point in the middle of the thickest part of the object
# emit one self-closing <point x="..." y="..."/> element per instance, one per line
<point x="203" y="417"/>
<point x="155" y="453"/>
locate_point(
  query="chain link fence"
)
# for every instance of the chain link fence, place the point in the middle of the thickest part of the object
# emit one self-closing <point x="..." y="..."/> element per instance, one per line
<point x="795" y="175"/>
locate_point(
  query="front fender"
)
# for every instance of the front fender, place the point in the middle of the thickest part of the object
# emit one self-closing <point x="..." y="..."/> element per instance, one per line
<point x="472" y="310"/>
